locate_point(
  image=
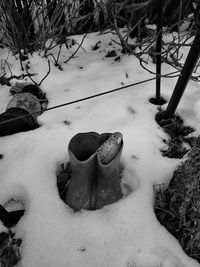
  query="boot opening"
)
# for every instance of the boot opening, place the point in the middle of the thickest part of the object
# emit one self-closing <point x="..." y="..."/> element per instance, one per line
<point x="11" y="212"/>
<point x="84" y="155"/>
<point x="83" y="146"/>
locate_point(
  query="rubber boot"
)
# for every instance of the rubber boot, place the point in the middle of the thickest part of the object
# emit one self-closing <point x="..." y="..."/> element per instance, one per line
<point x="32" y="89"/>
<point x="108" y="188"/>
<point x="26" y="101"/>
<point x="19" y="124"/>
<point x="82" y="156"/>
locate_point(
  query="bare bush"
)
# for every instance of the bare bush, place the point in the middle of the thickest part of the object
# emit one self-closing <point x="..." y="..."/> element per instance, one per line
<point x="41" y="25"/>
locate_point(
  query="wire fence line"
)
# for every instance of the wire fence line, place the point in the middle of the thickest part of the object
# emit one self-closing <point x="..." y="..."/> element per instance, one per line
<point x="88" y="97"/>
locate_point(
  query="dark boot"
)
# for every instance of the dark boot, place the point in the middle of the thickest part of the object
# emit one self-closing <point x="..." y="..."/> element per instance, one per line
<point x="26" y="101"/>
<point x="108" y="188"/>
<point x="12" y="121"/>
<point x="82" y="156"/>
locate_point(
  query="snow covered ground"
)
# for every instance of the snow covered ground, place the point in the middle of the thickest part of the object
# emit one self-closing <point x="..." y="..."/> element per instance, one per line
<point x="126" y="233"/>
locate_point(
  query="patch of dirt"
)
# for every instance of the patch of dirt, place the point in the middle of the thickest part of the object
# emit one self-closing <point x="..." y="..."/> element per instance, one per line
<point x="111" y="53"/>
<point x="179" y="140"/>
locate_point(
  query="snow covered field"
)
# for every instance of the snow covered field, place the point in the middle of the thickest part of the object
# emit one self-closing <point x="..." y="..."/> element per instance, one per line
<point x="126" y="233"/>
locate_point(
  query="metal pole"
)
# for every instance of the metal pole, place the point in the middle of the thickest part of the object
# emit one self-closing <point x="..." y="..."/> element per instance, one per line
<point x="187" y="70"/>
<point x="184" y="77"/>
<point x="158" y="100"/>
<point x="158" y="50"/>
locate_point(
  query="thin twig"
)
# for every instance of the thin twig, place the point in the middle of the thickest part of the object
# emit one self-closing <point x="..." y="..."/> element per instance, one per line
<point x="48" y="72"/>
<point x="76" y="49"/>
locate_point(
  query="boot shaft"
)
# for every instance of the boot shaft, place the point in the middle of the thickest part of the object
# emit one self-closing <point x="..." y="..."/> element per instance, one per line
<point x="93" y="184"/>
<point x="82" y="156"/>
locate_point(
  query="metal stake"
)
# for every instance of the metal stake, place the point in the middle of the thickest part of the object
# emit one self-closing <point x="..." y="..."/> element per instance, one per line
<point x="158" y="100"/>
<point x="184" y="77"/>
<point x="159" y="48"/>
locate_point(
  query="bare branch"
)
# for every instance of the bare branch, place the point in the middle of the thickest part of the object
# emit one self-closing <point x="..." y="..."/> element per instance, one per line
<point x="79" y="46"/>
<point x="48" y="72"/>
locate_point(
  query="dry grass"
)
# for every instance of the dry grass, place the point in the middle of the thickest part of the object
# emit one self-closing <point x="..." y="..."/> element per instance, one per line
<point x="178" y="209"/>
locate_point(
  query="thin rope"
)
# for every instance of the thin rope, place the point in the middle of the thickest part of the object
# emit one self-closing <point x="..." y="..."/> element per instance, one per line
<point x="100" y="94"/>
<point x="85" y="98"/>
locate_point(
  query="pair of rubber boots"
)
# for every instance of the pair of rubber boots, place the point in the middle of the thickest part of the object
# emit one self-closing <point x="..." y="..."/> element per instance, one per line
<point x="95" y="165"/>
